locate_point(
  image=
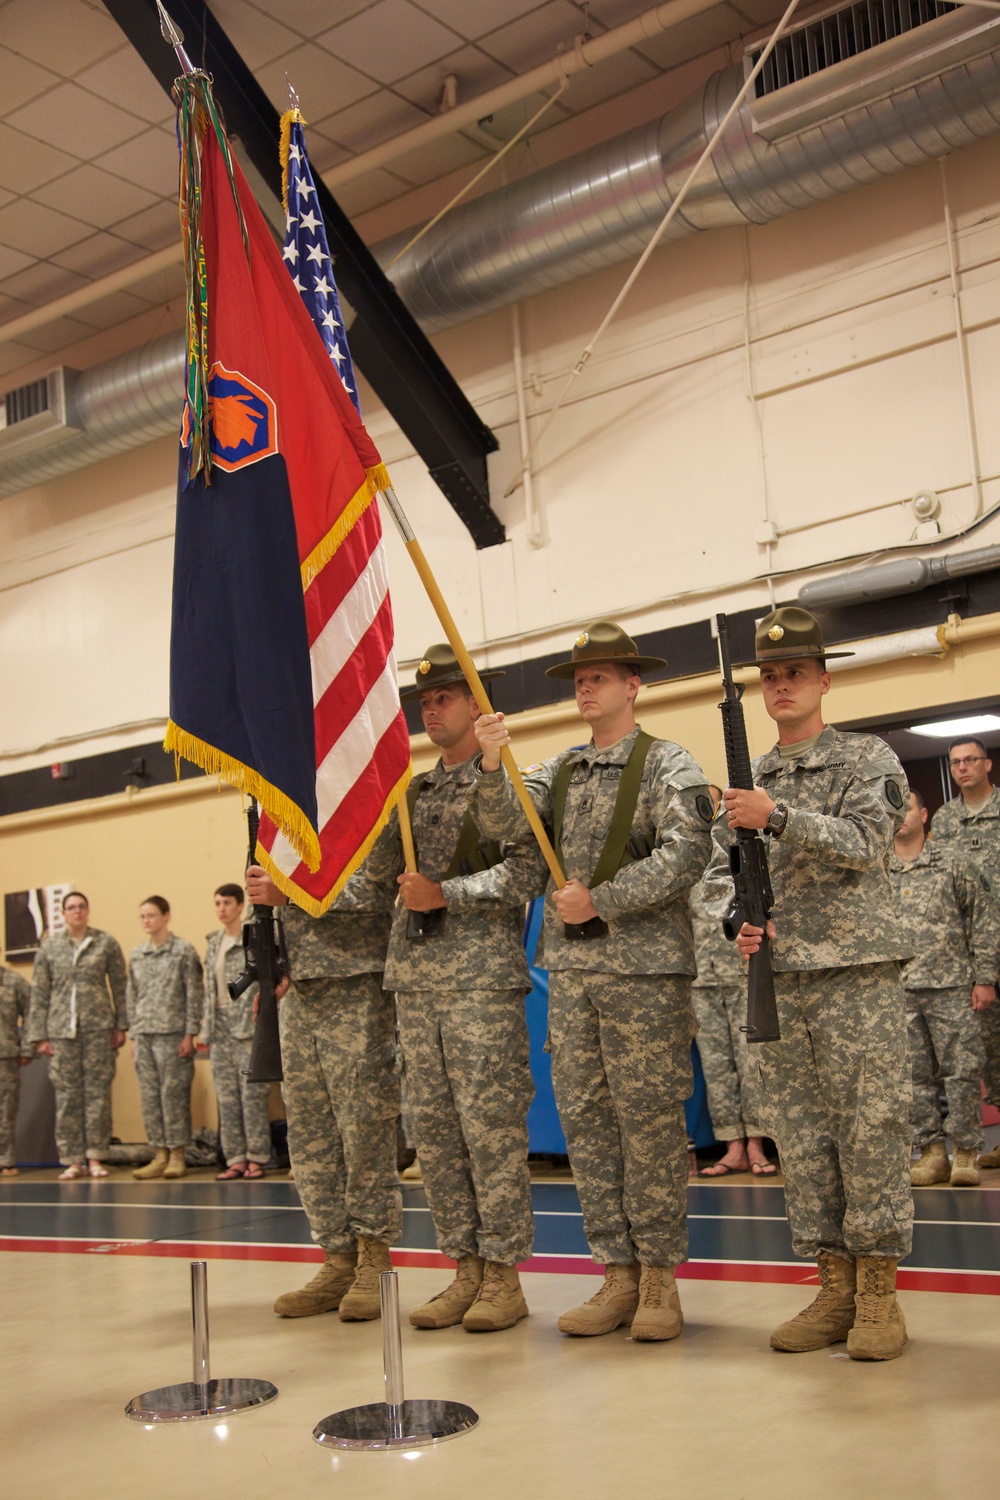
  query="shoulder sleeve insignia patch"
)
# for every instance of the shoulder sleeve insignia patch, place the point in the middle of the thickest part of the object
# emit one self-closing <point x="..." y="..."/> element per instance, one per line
<point x="893" y="794"/>
<point x="704" y="806"/>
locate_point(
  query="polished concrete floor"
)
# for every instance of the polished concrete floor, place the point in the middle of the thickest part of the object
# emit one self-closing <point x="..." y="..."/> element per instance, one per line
<point x="95" y="1288"/>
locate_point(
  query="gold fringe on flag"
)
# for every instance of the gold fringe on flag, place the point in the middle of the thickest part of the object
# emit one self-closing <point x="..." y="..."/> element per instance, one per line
<point x="376" y="479"/>
<point x="289" y="118"/>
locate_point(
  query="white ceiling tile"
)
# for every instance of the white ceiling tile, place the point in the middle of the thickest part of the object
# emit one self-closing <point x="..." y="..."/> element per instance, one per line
<point x="324" y="153"/>
<point x="12" y="260"/>
<point x="323" y="83"/>
<point x="21" y="80"/>
<point x="154" y="228"/>
<point x="761" y="12"/>
<point x="616" y="12"/>
<point x="474" y="71"/>
<point x="6" y="197"/>
<point x="95" y="196"/>
<point x="371" y="121"/>
<point x="37" y="230"/>
<point x="473" y="18"/>
<point x="150" y="159"/>
<point x="74" y="120"/>
<point x="615" y="76"/>
<point x="692" y="38"/>
<point x="391" y="39"/>
<point x="42" y="282"/>
<point x="25" y="164"/>
<point x="161" y="286"/>
<point x="504" y="123"/>
<point x="12" y="357"/>
<point x="310" y="17"/>
<point x="535" y="38"/>
<point x="124" y="79"/>
<point x="98" y="255"/>
<point x="119" y="307"/>
<point x="74" y="34"/>
<point x="11" y="308"/>
<point x="256" y="37"/>
<point x="369" y="191"/>
<point x="438" y="158"/>
<point x="54" y="336"/>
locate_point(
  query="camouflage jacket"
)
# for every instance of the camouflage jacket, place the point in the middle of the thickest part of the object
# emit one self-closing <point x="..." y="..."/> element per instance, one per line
<point x="718" y="959"/>
<point x="350" y="938"/>
<point x="833" y="905"/>
<point x="951" y="919"/>
<point x="480" y="943"/>
<point x="15" y="1002"/>
<point x="165" y="992"/>
<point x="976" y="833"/>
<point x="77" y="989"/>
<point x="239" y="1012"/>
<point x="646" y="903"/>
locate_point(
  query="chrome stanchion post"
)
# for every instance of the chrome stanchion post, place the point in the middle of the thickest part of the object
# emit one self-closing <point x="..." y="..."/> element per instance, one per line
<point x="394" y="1422"/>
<point x="202" y="1396"/>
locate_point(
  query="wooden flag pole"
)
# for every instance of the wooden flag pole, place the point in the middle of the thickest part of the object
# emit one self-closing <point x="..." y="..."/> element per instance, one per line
<point x="472" y="677"/>
<point x="406" y="834"/>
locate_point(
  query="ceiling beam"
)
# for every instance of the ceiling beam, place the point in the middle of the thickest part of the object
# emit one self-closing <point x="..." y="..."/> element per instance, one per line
<point x="387" y="344"/>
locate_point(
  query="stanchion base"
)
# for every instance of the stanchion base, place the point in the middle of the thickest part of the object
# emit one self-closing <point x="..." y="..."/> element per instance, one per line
<point x="423" y="1422"/>
<point x="187" y="1401"/>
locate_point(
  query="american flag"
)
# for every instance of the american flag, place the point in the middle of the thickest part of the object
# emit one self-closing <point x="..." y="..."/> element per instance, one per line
<point x="309" y="261"/>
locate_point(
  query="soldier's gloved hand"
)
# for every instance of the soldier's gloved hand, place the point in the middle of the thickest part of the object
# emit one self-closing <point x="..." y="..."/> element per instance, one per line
<point x="418" y="893"/>
<point x="983" y="996"/>
<point x="748" y="938"/>
<point x="573" y="902"/>
<point x="262" y="890"/>
<point x="492" y="734"/>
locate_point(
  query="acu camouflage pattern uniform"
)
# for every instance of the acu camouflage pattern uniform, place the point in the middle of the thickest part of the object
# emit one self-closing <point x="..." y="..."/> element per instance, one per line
<point x="227" y="1027"/>
<point x="164" y="1001"/>
<point x="15" y="1001"/>
<point x="951" y="923"/>
<point x="834" y="1090"/>
<point x="976" y="834"/>
<point x="719" y="998"/>
<point x="460" y="1007"/>
<point x="620" y="1017"/>
<point x="341" y="1091"/>
<point x="77" y="1002"/>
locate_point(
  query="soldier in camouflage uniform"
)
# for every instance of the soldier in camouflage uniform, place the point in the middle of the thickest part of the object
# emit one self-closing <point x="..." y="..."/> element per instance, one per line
<point x="719" y="998"/>
<point x="338" y="1049"/>
<point x="164" y="1002"/>
<point x="970" y="823"/>
<point x="460" y="1005"/>
<point x="618" y="946"/>
<point x="952" y="924"/>
<point x="77" y="1018"/>
<point x="835" y="1089"/>
<point x="227" y="1026"/>
<point x="15" y="1000"/>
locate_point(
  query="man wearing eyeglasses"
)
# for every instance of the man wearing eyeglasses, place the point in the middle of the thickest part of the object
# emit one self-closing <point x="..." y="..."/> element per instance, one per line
<point x="971" y="823"/>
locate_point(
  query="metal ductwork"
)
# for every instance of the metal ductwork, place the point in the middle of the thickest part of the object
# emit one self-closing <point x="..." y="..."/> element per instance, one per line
<point x="904" y="575"/>
<point x="903" y="82"/>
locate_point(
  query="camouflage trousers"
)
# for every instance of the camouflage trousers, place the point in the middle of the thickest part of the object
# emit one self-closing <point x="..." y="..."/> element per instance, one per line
<point x="81" y="1071"/>
<point x="164" y="1088"/>
<point x="835" y="1094"/>
<point x="729" y="1079"/>
<point x="989" y="1033"/>
<point x="338" y="1049"/>
<point x="946" y="1053"/>
<point x="10" y="1088"/>
<point x="243" y="1123"/>
<point x="470" y="1085"/>
<point x="621" y="1067"/>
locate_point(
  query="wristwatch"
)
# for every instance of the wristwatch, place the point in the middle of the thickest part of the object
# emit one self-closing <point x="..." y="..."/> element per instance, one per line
<point x="776" y="821"/>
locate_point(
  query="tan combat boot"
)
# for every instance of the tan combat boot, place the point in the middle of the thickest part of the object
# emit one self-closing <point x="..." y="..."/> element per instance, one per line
<point x="964" y="1171"/>
<point x="154" y="1168"/>
<point x="176" y="1166"/>
<point x="932" y="1166"/>
<point x="363" y="1300"/>
<point x="614" y="1304"/>
<point x="324" y="1292"/>
<point x="990" y="1158"/>
<point x="500" y="1303"/>
<point x="450" y="1306"/>
<point x="658" y="1315"/>
<point x="829" y="1317"/>
<point x="879" y="1330"/>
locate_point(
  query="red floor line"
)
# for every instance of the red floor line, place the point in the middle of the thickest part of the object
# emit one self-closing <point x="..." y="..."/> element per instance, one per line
<point x="978" y="1283"/>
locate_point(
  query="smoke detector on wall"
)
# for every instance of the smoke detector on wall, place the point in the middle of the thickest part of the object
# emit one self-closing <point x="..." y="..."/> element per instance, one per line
<point x="925" y="505"/>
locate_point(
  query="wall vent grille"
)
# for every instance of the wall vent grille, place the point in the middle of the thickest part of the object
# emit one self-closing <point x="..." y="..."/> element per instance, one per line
<point x="833" y="38"/>
<point x="25" y="402"/>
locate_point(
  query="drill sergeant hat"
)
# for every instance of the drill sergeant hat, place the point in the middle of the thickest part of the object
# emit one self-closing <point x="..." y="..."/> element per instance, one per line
<point x="440" y="668"/>
<point x="789" y="634"/>
<point x="603" y="641"/>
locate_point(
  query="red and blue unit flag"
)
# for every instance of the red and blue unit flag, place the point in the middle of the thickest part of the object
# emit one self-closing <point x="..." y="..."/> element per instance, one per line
<point x="282" y="674"/>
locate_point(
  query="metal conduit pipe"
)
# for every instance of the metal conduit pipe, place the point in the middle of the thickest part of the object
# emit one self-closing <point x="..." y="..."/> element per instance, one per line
<point x="905" y="575"/>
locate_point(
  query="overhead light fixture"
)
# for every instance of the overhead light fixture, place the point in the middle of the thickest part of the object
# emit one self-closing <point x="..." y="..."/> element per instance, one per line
<point x="952" y="728"/>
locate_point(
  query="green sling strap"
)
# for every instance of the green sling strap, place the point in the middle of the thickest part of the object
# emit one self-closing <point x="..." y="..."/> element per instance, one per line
<point x="616" y="852"/>
<point x="471" y="855"/>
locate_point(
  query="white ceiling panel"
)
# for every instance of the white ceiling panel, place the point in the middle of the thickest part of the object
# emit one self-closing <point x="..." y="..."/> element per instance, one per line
<point x="323" y="83"/>
<point x="95" y="196"/>
<point x="257" y="37"/>
<point x="41" y="282"/>
<point x="113" y="309"/>
<point x="98" y="255"/>
<point x="154" y="228"/>
<point x="474" y="71"/>
<point x="72" y="120"/>
<point x="369" y="191"/>
<point x="12" y="260"/>
<point x="390" y="40"/>
<point x="370" y="121"/>
<point x="25" y="164"/>
<point x="36" y="230"/>
<point x="438" y="158"/>
<point x="149" y="159"/>
<point x="310" y="17"/>
<point x="21" y="80"/>
<point x="52" y="337"/>
<point x="65" y="35"/>
<point x="616" y="76"/>
<point x="535" y="38"/>
<point x="124" y="79"/>
<point x="474" y="18"/>
<point x="12" y="357"/>
<point x="161" y="286"/>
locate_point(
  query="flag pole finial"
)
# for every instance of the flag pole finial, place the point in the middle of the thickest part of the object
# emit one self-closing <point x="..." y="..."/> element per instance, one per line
<point x="293" y="98"/>
<point x="173" y="34"/>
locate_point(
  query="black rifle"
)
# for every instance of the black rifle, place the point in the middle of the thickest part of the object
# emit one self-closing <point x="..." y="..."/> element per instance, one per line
<point x="752" y="895"/>
<point x="266" y="965"/>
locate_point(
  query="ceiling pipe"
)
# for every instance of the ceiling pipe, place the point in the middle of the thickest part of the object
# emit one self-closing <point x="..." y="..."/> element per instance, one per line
<point x="905" y="575"/>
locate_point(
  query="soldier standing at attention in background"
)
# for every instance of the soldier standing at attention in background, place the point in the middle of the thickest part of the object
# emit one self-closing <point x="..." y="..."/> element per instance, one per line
<point x="630" y="817"/>
<point x="835" y="1089"/>
<point x="970" y="823"/>
<point x="164" y="1004"/>
<point x="77" y="1018"/>
<point x="338" y="1051"/>
<point x="227" y="1026"/>
<point x="460" y="1005"/>
<point x="719" y="997"/>
<point x="15" y="1051"/>
<point x="952" y="924"/>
